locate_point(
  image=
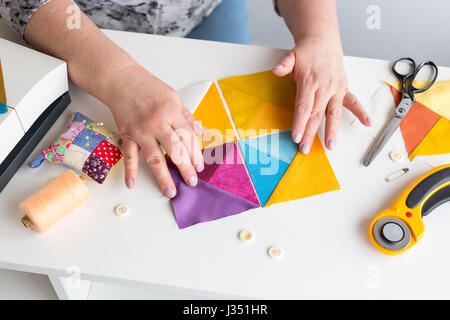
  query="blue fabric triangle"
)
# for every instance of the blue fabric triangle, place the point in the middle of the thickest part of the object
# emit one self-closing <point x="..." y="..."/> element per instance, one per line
<point x="277" y="145"/>
<point x="3" y="108"/>
<point x="264" y="170"/>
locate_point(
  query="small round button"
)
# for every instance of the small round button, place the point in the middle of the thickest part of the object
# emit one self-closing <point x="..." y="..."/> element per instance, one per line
<point x="122" y="210"/>
<point x="393" y="232"/>
<point x="396" y="156"/>
<point x="245" y="236"/>
<point x="274" y="252"/>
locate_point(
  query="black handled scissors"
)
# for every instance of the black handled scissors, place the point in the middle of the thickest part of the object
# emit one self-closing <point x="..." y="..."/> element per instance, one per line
<point x="408" y="91"/>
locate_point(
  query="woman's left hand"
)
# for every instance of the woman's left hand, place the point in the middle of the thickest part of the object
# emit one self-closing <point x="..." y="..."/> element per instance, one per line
<point x="316" y="64"/>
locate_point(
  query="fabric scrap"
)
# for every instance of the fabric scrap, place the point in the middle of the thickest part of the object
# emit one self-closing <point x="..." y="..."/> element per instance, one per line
<point x="57" y="150"/>
<point x="308" y="175"/>
<point x="108" y="153"/>
<point x="417" y="123"/>
<point x="265" y="171"/>
<point x="212" y="115"/>
<point x="437" y="98"/>
<point x="205" y="202"/>
<point x="96" y="169"/>
<point x="88" y="139"/>
<point x="260" y="101"/>
<point x="436" y="142"/>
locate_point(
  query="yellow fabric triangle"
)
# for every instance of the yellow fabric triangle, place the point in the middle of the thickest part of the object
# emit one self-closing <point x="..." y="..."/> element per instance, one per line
<point x="248" y="95"/>
<point x="2" y="86"/>
<point x="243" y="107"/>
<point x="212" y="115"/>
<point x="437" y="141"/>
<point x="271" y="116"/>
<point x="307" y="175"/>
<point x="437" y="98"/>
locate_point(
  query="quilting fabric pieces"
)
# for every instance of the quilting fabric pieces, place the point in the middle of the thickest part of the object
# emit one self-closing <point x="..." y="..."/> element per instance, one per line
<point x="280" y="173"/>
<point x="417" y="123"/>
<point x="259" y="101"/>
<point x="205" y="202"/>
<point x="85" y="146"/>
<point x="225" y="169"/>
<point x="307" y="175"/>
<point x="224" y="188"/>
<point x="212" y="115"/>
<point x="278" y="145"/>
<point x="3" y="102"/>
<point x="437" y="98"/>
<point x="436" y="142"/>
<point x="423" y="132"/>
<point x="266" y="171"/>
<point x="262" y="107"/>
<point x="57" y="150"/>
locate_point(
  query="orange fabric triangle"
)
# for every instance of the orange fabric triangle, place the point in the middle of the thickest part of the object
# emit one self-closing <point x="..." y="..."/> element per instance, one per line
<point x="212" y="115"/>
<point x="417" y="123"/>
<point x="307" y="175"/>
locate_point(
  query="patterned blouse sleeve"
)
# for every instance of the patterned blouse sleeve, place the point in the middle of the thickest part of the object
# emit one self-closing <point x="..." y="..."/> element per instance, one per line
<point x="17" y="13"/>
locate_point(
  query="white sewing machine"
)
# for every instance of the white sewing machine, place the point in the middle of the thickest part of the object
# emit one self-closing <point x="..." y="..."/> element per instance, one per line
<point x="36" y="88"/>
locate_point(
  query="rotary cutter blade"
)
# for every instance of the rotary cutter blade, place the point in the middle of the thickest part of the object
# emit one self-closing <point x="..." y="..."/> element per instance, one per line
<point x="396" y="229"/>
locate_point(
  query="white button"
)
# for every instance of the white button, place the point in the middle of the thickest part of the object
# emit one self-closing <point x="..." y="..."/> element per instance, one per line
<point x="245" y="236"/>
<point x="274" y="252"/>
<point x="396" y="156"/>
<point x="122" y="210"/>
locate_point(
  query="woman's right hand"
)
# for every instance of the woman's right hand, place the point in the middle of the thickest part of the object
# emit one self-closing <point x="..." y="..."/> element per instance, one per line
<point x="149" y="114"/>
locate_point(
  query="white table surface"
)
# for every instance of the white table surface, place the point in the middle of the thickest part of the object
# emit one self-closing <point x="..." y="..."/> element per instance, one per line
<point x="327" y="250"/>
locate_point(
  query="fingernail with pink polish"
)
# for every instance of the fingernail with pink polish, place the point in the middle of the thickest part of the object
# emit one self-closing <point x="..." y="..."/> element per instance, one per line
<point x="331" y="144"/>
<point x="297" y="138"/>
<point x="130" y="183"/>
<point x="200" y="167"/>
<point x="305" y="148"/>
<point x="169" y="192"/>
<point x="368" y="121"/>
<point x="192" y="181"/>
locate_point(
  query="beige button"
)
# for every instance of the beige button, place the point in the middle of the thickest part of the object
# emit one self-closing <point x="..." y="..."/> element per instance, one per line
<point x="245" y="236"/>
<point x="396" y="156"/>
<point x="122" y="210"/>
<point x="274" y="252"/>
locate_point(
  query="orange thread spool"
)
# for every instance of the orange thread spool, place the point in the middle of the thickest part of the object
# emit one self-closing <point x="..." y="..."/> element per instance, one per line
<point x="60" y="196"/>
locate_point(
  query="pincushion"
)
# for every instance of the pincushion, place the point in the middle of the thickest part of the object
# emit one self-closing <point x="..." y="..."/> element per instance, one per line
<point x="86" y="146"/>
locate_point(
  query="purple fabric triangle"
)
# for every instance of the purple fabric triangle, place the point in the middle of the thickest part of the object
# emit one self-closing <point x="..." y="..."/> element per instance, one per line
<point x="205" y="202"/>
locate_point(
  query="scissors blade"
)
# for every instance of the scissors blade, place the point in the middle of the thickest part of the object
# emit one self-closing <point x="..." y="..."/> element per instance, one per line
<point x="382" y="139"/>
<point x="388" y="130"/>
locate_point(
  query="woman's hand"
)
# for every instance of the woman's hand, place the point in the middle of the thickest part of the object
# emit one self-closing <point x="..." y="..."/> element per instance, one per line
<point x="317" y="67"/>
<point x="148" y="114"/>
<point x="147" y="111"/>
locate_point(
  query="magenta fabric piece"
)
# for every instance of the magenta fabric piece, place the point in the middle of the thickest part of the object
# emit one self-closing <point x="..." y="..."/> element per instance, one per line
<point x="232" y="177"/>
<point x="214" y="157"/>
<point x="204" y="202"/>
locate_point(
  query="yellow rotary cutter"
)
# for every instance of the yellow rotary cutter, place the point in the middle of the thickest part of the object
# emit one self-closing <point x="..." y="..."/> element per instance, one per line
<point x="398" y="228"/>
